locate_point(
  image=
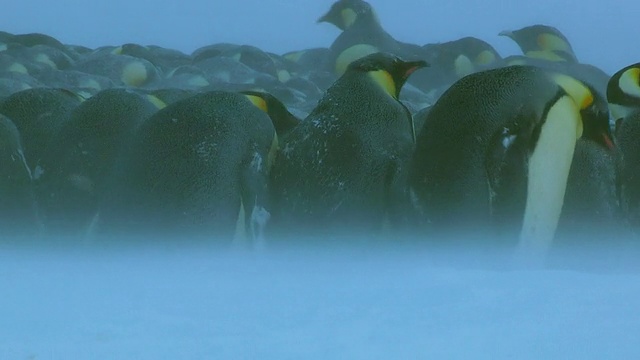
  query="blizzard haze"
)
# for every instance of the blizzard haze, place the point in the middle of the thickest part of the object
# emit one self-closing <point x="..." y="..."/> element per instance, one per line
<point x="185" y="302"/>
<point x="152" y="303"/>
<point x="601" y="33"/>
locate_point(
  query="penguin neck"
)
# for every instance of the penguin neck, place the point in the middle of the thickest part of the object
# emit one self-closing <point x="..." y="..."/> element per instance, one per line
<point x="385" y="80"/>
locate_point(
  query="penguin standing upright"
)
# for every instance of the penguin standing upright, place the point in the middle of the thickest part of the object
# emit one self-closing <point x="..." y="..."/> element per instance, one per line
<point x="344" y="169"/>
<point x="197" y="170"/>
<point x="495" y="152"/>
<point x="362" y="34"/>
<point x="623" y="95"/>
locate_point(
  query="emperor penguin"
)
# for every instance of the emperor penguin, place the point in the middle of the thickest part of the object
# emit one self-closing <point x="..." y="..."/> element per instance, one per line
<point x="452" y="60"/>
<point x="542" y="42"/>
<point x="494" y="155"/>
<point x="344" y="169"/>
<point x="545" y="46"/>
<point x="198" y="170"/>
<point x="39" y="113"/>
<point x="362" y="34"/>
<point x="623" y="95"/>
<point x="76" y="170"/>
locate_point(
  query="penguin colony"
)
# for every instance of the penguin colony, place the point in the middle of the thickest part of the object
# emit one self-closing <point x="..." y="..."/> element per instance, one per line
<point x="368" y="140"/>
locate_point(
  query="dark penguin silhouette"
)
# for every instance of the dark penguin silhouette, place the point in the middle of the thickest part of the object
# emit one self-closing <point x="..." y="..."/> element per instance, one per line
<point x="495" y="152"/>
<point x="344" y="168"/>
<point x="198" y="170"/>
<point x="77" y="167"/>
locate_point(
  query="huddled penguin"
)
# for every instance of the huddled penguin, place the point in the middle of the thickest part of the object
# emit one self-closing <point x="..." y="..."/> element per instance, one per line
<point x="542" y="42"/>
<point x="76" y="170"/>
<point x="18" y="210"/>
<point x="546" y="47"/>
<point x="124" y="70"/>
<point x="362" y="34"/>
<point x="39" y="113"/>
<point x="493" y="158"/>
<point x="198" y="169"/>
<point x="163" y="59"/>
<point x="623" y="95"/>
<point x="344" y="169"/>
<point x="452" y="60"/>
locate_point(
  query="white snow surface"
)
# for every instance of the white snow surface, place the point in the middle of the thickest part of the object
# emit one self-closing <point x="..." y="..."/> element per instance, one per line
<point x="200" y="303"/>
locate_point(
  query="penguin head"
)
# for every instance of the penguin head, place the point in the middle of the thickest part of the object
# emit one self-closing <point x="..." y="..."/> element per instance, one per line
<point x="283" y="120"/>
<point x="542" y="42"/>
<point x="344" y="13"/>
<point x="623" y="91"/>
<point x="593" y="109"/>
<point x="387" y="70"/>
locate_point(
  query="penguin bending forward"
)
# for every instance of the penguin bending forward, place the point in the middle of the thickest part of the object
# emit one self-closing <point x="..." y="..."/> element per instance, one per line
<point x="494" y="155"/>
<point x="198" y="170"/>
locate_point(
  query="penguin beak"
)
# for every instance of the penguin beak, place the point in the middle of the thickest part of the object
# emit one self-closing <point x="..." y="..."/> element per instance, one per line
<point x="507" y="33"/>
<point x="323" y="18"/>
<point x="409" y="67"/>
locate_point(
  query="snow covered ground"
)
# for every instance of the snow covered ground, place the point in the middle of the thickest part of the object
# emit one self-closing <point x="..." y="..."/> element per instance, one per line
<point x="195" y="303"/>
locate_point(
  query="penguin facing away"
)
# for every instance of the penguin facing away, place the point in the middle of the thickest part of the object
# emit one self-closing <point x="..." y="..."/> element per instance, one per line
<point x="344" y="168"/>
<point x="495" y="153"/>
<point x="78" y="165"/>
<point x="198" y="169"/>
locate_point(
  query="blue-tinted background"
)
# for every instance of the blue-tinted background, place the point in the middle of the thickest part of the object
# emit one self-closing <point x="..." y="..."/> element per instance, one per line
<point x="602" y="33"/>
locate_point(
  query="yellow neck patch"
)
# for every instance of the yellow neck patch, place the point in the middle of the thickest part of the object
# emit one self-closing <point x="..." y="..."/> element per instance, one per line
<point x="485" y="58"/>
<point x="348" y="18"/>
<point x="629" y="82"/>
<point x="549" y="42"/>
<point x="117" y="51"/>
<point x="463" y="66"/>
<point x="258" y="102"/>
<point x="352" y="54"/>
<point x="45" y="59"/>
<point x="284" y="76"/>
<point x="198" y="81"/>
<point x="544" y="55"/>
<point x="156" y="102"/>
<point x="18" y="68"/>
<point x="580" y="94"/>
<point x="385" y="81"/>
<point x="134" y="74"/>
<point x="294" y="56"/>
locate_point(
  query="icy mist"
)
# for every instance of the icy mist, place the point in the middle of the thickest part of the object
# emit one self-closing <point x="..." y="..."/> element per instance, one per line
<point x="183" y="302"/>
